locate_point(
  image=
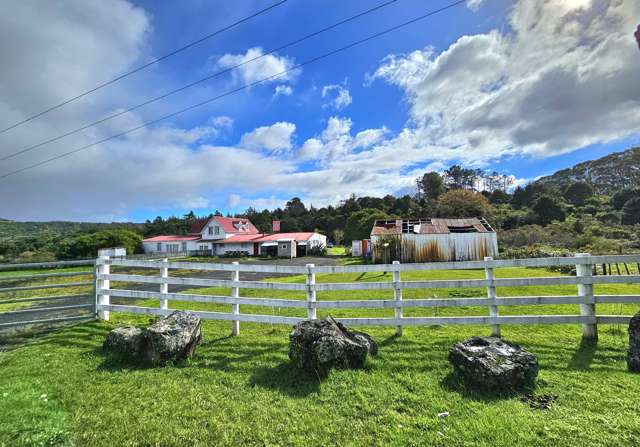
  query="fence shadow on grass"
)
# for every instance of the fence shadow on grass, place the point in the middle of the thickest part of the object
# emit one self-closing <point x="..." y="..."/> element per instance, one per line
<point x="582" y="358"/>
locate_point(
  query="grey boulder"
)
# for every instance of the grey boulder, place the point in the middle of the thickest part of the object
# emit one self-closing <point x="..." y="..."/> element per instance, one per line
<point x="316" y="346"/>
<point x="126" y="342"/>
<point x="172" y="338"/>
<point x="489" y="364"/>
<point x="633" y="352"/>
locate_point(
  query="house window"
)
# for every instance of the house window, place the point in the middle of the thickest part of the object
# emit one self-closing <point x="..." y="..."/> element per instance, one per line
<point x="284" y="246"/>
<point x="173" y="248"/>
<point x="217" y="230"/>
<point x="211" y="230"/>
<point x="159" y="247"/>
<point x="243" y="245"/>
<point x="184" y="246"/>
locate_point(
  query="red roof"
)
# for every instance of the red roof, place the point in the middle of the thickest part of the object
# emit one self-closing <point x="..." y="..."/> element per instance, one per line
<point x="229" y="225"/>
<point x="172" y="239"/>
<point x="238" y="238"/>
<point x="198" y="225"/>
<point x="295" y="236"/>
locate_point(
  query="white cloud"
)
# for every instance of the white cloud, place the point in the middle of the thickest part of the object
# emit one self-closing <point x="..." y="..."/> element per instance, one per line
<point x="474" y="5"/>
<point x="564" y="78"/>
<point x="268" y="66"/>
<point x="283" y="90"/>
<point x="233" y="200"/>
<point x="222" y="122"/>
<point x="275" y="138"/>
<point x="340" y="97"/>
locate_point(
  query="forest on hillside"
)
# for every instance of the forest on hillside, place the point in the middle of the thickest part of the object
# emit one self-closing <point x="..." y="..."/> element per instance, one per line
<point x="542" y="218"/>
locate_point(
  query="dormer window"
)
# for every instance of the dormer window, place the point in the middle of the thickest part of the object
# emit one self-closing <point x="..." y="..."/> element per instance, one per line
<point x="210" y="231"/>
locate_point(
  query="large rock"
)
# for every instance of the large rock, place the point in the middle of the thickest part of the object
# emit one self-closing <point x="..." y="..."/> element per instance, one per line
<point x="126" y="342"/>
<point x="172" y="338"/>
<point x="319" y="345"/>
<point x="633" y="353"/>
<point x="490" y="364"/>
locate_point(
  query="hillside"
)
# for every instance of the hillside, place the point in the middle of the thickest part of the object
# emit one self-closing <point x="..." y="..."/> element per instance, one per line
<point x="607" y="175"/>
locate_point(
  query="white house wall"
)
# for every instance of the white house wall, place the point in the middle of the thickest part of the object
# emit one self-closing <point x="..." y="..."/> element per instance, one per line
<point x="211" y="237"/>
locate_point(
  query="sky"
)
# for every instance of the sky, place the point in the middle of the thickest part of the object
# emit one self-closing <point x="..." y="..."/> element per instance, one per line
<point x="524" y="87"/>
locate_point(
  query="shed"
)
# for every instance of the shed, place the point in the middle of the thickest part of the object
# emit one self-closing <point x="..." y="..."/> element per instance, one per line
<point x="429" y="240"/>
<point x="287" y="248"/>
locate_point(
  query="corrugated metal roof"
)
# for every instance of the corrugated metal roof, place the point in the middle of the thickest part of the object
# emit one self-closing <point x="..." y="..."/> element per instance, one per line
<point x="431" y="226"/>
<point x="301" y="236"/>
<point x="172" y="238"/>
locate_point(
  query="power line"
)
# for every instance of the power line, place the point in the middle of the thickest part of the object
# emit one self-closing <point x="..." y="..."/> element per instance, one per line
<point x="243" y="87"/>
<point x="199" y="81"/>
<point x="142" y="67"/>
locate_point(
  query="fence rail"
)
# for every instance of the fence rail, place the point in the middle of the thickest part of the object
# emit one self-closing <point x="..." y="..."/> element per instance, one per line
<point x="46" y="307"/>
<point x="585" y="299"/>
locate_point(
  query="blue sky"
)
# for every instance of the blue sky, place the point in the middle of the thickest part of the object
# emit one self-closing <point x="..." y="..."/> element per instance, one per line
<point x="524" y="88"/>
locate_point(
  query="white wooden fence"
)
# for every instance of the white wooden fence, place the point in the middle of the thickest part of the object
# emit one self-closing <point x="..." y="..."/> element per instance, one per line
<point x="46" y="306"/>
<point x="584" y="281"/>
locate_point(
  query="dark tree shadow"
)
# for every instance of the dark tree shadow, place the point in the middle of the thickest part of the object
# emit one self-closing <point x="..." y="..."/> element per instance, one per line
<point x="287" y="379"/>
<point x="583" y="357"/>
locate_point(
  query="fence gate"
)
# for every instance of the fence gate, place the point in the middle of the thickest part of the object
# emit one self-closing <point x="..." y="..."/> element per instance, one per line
<point x="46" y="293"/>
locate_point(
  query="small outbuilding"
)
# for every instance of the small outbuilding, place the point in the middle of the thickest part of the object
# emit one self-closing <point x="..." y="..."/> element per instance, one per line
<point x="430" y="240"/>
<point x="286" y="248"/>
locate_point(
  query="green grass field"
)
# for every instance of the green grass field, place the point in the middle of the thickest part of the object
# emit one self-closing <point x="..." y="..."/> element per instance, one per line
<point x="61" y="390"/>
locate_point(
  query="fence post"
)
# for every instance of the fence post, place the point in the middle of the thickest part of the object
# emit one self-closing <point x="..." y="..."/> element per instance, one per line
<point x="102" y="284"/>
<point x="397" y="295"/>
<point x="311" y="292"/>
<point x="492" y="295"/>
<point x="589" y="330"/>
<point x="235" y="308"/>
<point x="164" y="288"/>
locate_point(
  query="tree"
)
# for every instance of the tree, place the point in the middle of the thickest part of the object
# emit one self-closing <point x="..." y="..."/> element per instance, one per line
<point x="547" y="209"/>
<point x="87" y="245"/>
<point x="462" y="203"/>
<point x="498" y="196"/>
<point x="338" y="236"/>
<point x="620" y="198"/>
<point x="431" y="185"/>
<point x="457" y="177"/>
<point x="578" y="193"/>
<point x="360" y="223"/>
<point x="526" y="197"/>
<point x="631" y="212"/>
<point x="295" y="207"/>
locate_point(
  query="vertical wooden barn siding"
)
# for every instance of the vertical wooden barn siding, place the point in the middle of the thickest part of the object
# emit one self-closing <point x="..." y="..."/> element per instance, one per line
<point x="411" y="247"/>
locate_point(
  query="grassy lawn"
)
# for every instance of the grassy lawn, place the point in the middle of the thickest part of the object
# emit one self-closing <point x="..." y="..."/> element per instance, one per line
<point x="336" y="251"/>
<point x="60" y="390"/>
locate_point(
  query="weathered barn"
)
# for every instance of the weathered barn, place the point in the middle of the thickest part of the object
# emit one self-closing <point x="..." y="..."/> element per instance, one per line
<point x="429" y="240"/>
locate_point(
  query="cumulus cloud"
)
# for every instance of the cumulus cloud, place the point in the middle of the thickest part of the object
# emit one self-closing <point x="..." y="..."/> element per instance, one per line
<point x="336" y="143"/>
<point x="565" y="77"/>
<point x="283" y="90"/>
<point x="269" y="66"/>
<point x="340" y="96"/>
<point x="275" y="138"/>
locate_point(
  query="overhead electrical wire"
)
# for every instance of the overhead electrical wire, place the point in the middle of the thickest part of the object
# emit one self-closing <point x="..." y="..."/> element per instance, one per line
<point x="142" y="67"/>
<point x="243" y="87"/>
<point x="199" y="81"/>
